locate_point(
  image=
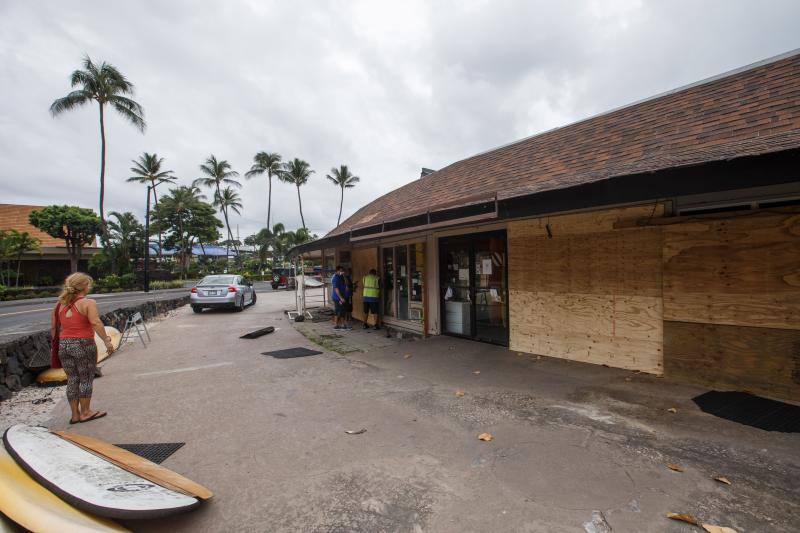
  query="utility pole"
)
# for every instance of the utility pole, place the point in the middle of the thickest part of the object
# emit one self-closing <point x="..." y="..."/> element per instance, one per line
<point x="147" y="243"/>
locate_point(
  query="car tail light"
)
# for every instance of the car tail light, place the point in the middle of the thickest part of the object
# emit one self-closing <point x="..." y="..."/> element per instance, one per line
<point x="194" y="290"/>
<point x="231" y="289"/>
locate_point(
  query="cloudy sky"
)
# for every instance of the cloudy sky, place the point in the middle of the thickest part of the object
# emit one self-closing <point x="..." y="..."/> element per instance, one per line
<point x="385" y="87"/>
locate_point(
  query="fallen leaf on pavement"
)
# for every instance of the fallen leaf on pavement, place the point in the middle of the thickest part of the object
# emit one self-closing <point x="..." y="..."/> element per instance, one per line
<point x="355" y="432"/>
<point x="520" y="354"/>
<point x="689" y="519"/>
<point x="485" y="436"/>
<point x="477" y="372"/>
<point x="675" y="468"/>
<point x="460" y="393"/>
<point x="722" y="479"/>
<point x="718" y="529"/>
<point x="627" y="379"/>
<point x="672" y="410"/>
<point x="407" y="356"/>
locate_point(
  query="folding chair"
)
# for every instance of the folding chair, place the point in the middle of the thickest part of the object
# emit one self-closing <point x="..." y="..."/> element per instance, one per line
<point x="133" y="323"/>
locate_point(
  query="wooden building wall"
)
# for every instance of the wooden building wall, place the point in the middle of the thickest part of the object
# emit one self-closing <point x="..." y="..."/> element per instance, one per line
<point x="732" y="302"/>
<point x="363" y="259"/>
<point x="590" y="293"/>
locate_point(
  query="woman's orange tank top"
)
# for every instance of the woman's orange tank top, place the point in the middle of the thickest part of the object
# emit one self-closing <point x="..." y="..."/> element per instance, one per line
<point x="76" y="325"/>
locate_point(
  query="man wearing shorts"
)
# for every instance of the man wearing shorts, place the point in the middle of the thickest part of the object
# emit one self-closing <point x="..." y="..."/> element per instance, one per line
<point x="339" y="296"/>
<point x="371" y="294"/>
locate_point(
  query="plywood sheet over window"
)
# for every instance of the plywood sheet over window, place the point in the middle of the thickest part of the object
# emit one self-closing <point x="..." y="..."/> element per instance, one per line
<point x="363" y="259"/>
<point x="591" y="292"/>
<point x="761" y="360"/>
<point x="739" y="271"/>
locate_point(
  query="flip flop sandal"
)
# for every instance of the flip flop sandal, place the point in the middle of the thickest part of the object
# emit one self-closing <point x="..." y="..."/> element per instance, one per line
<point x="71" y="421"/>
<point x="98" y="414"/>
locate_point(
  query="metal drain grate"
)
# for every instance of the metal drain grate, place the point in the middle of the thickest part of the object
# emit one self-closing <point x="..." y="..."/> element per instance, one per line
<point x="156" y="452"/>
<point x="291" y="352"/>
<point x="751" y="410"/>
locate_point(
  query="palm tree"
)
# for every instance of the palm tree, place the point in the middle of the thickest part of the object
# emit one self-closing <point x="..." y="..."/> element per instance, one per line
<point x="343" y="178"/>
<point x="103" y="84"/>
<point x="21" y="243"/>
<point x="147" y="170"/>
<point x="296" y="172"/>
<point x="174" y="214"/>
<point x="127" y="234"/>
<point x="218" y="173"/>
<point x="229" y="200"/>
<point x="269" y="163"/>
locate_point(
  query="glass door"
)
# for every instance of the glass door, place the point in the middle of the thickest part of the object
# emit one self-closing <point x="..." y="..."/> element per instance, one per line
<point x="455" y="287"/>
<point x="474" y="287"/>
<point x="491" y="310"/>
<point x="388" y="281"/>
<point x="401" y="256"/>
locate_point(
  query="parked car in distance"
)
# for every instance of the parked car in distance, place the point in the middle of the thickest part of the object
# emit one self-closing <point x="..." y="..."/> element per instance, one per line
<point x="222" y="290"/>
<point x="282" y="277"/>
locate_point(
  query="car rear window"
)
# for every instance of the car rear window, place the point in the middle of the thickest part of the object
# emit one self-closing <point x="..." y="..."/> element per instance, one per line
<point x="217" y="280"/>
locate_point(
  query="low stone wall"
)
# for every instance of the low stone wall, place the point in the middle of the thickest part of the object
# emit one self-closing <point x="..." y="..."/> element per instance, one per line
<point x="21" y="359"/>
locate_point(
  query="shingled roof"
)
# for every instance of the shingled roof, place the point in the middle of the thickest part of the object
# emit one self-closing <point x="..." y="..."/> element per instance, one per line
<point x="754" y="110"/>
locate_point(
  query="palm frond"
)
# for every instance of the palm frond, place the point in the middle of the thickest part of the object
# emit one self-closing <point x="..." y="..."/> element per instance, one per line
<point x="69" y="102"/>
<point x="130" y="110"/>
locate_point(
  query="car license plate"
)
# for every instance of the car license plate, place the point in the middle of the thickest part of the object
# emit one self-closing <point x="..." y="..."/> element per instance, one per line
<point x="212" y="293"/>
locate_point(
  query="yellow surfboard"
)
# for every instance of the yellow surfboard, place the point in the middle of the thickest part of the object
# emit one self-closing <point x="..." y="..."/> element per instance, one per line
<point x="53" y="376"/>
<point x="35" y="508"/>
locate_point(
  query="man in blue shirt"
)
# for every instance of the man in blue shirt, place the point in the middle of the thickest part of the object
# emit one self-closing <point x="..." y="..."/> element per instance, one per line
<point x="340" y="294"/>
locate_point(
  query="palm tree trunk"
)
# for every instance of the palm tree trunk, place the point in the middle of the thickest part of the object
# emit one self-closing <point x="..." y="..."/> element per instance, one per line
<point x="341" y="203"/>
<point x="300" y="203"/>
<point x="269" y="197"/>
<point x="183" y="248"/>
<point x="227" y="225"/>
<point x="147" y="237"/>
<point x="103" y="228"/>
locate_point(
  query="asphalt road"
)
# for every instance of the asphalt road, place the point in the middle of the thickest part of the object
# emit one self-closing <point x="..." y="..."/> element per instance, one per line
<point x="30" y="316"/>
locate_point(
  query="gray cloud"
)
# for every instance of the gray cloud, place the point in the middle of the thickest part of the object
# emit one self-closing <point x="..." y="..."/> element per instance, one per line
<point x="383" y="87"/>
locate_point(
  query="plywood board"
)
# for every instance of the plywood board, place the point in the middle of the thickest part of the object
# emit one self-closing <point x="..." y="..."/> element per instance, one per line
<point x="615" y="262"/>
<point x="761" y="360"/>
<point x="362" y="260"/>
<point x="584" y="223"/>
<point x="620" y="331"/>
<point x="737" y="271"/>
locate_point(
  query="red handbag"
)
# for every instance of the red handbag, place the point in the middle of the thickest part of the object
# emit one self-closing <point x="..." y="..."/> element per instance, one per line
<point x="55" y="362"/>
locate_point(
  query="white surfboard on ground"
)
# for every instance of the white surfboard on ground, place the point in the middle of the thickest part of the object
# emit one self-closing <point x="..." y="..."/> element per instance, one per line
<point x="87" y="481"/>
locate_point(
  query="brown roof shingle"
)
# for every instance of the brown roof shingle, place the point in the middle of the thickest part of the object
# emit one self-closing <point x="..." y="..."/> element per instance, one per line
<point x="749" y="112"/>
<point x="15" y="216"/>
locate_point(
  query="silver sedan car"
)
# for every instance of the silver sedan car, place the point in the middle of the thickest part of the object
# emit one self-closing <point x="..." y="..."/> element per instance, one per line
<point x="223" y="290"/>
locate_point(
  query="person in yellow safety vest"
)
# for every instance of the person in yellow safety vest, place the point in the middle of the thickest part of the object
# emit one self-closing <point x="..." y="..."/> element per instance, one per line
<point x="371" y="296"/>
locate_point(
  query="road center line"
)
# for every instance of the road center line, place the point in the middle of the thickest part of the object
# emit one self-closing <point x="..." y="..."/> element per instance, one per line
<point x="187" y="369"/>
<point x="51" y="308"/>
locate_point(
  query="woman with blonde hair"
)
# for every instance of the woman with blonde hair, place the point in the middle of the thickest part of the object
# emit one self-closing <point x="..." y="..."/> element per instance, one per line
<point x="75" y="320"/>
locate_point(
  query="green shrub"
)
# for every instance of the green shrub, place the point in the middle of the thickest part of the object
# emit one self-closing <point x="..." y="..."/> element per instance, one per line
<point x="127" y="281"/>
<point x="171" y="284"/>
<point x="111" y="281"/>
<point x="117" y="289"/>
<point x="46" y="281"/>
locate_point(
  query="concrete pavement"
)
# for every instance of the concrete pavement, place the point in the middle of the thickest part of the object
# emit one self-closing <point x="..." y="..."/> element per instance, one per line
<point x="268" y="436"/>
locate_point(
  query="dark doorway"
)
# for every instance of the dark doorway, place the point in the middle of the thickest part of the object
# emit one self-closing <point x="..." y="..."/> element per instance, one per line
<point x="474" y="286"/>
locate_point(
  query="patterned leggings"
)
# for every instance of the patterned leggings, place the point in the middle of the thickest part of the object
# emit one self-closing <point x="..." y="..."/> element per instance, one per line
<point x="79" y="359"/>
